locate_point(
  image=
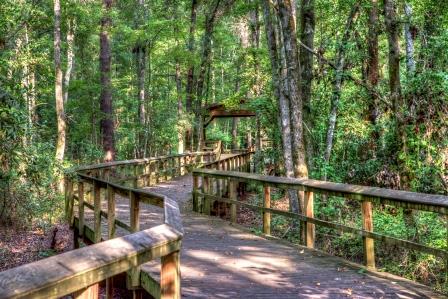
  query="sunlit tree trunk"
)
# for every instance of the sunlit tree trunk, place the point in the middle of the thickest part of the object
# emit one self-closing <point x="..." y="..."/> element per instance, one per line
<point x="410" y="61"/>
<point x="70" y="57"/>
<point x="60" y="114"/>
<point x="107" y="122"/>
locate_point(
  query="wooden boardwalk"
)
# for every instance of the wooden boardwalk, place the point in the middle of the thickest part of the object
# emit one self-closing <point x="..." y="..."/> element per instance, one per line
<point x="221" y="260"/>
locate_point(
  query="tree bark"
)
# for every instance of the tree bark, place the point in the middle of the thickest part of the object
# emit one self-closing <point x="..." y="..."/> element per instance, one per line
<point x="107" y="123"/>
<point x="373" y="71"/>
<point x="283" y="104"/>
<point x="410" y="61"/>
<point x="70" y="57"/>
<point x="296" y="105"/>
<point x="307" y="25"/>
<point x="60" y="114"/>
<point x="190" y="74"/>
<point x="337" y="83"/>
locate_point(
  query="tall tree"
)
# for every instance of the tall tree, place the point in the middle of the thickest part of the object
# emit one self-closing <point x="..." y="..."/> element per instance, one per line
<point x="107" y="123"/>
<point x="373" y="70"/>
<point x="190" y="73"/>
<point x="307" y="26"/>
<point x="410" y="61"/>
<point x="139" y="50"/>
<point x="288" y="27"/>
<point x="70" y="56"/>
<point x="60" y="114"/>
<point x="337" y="82"/>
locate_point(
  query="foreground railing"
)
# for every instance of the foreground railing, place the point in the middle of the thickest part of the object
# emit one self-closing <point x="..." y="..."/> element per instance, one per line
<point x="78" y="272"/>
<point x="204" y="195"/>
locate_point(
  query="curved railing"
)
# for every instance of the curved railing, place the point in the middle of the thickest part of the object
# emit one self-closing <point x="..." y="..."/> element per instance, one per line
<point x="78" y="272"/>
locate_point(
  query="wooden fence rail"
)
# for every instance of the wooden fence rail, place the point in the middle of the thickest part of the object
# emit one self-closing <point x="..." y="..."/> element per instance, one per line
<point x="367" y="196"/>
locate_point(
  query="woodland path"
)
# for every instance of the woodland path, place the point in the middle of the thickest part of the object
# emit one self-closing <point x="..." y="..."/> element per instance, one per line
<point x="221" y="260"/>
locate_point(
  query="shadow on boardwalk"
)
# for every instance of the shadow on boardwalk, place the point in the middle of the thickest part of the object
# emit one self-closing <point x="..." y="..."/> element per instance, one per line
<point x="220" y="260"/>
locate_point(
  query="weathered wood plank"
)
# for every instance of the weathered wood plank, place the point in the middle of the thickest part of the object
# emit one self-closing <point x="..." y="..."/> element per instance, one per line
<point x="413" y="200"/>
<point x="170" y="276"/>
<point x="340" y="227"/>
<point x="74" y="270"/>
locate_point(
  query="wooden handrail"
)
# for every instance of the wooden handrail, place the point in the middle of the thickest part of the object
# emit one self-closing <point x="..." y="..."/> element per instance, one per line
<point x="368" y="196"/>
<point x="75" y="270"/>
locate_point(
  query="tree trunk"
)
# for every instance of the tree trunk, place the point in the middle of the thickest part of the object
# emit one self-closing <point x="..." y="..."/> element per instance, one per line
<point x="337" y="83"/>
<point x="373" y="72"/>
<point x="283" y="105"/>
<point x="107" y="123"/>
<point x="307" y="25"/>
<point x="410" y="61"/>
<point x="180" y="112"/>
<point x="70" y="57"/>
<point x="296" y="106"/>
<point x="60" y="145"/>
<point x="190" y="75"/>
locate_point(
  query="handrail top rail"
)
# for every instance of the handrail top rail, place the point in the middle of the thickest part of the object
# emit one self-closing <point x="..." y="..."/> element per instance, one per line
<point x="65" y="273"/>
<point x="439" y="201"/>
<point x="137" y="161"/>
<point x="171" y="208"/>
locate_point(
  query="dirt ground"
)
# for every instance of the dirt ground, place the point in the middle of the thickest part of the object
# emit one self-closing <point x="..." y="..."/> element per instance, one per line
<point x="22" y="246"/>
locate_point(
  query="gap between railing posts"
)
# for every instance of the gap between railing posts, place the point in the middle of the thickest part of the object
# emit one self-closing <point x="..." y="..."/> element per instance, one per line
<point x="367" y="197"/>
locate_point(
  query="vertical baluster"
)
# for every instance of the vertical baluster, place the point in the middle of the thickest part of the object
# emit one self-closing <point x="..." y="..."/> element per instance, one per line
<point x="111" y="211"/>
<point x="233" y="196"/>
<point x="91" y="292"/>
<point x="367" y="224"/>
<point x="133" y="277"/>
<point x="97" y="211"/>
<point x="69" y="200"/>
<point x="195" y="190"/>
<point x="309" y="212"/>
<point x="170" y="276"/>
<point x="267" y="215"/>
<point x="206" y="190"/>
<point x="81" y="208"/>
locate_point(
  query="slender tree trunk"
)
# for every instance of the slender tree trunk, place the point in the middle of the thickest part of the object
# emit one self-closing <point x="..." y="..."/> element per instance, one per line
<point x="307" y="25"/>
<point x="107" y="122"/>
<point x="373" y="72"/>
<point x="410" y="61"/>
<point x="190" y="74"/>
<point x="180" y="111"/>
<point x="70" y="57"/>
<point x="337" y="83"/>
<point x="60" y="144"/>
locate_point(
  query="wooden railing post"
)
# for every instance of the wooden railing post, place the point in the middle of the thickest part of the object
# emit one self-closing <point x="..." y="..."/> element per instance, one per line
<point x="206" y="191"/>
<point x="91" y="292"/>
<point x="367" y="225"/>
<point x="69" y="200"/>
<point x="110" y="212"/>
<point x="133" y="277"/>
<point x="233" y="196"/>
<point x="81" y="208"/>
<point x="135" y="182"/>
<point x="147" y="174"/>
<point x="97" y="212"/>
<point x="170" y="276"/>
<point x="267" y="215"/>
<point x="195" y="190"/>
<point x="110" y="231"/>
<point x="309" y="212"/>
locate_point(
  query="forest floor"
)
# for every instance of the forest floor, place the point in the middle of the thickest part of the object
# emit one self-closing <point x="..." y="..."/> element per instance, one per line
<point x="20" y="246"/>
